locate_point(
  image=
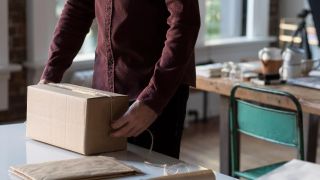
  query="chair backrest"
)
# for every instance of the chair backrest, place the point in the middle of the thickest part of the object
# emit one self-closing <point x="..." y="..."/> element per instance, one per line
<point x="269" y="123"/>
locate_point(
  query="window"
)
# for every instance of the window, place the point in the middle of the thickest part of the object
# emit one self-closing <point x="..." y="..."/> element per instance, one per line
<point x="223" y="18"/>
<point x="212" y="19"/>
<point x="90" y="42"/>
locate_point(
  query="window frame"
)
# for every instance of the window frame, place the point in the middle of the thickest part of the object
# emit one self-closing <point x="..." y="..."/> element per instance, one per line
<point x="257" y="18"/>
<point x="231" y="27"/>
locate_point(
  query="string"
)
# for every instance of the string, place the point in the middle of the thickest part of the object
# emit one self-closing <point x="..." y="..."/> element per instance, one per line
<point x="151" y="145"/>
<point x="150" y="152"/>
<point x="170" y="170"/>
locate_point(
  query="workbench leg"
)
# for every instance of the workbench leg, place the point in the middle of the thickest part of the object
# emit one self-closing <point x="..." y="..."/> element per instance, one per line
<point x="225" y="167"/>
<point x="311" y="137"/>
<point x="205" y="107"/>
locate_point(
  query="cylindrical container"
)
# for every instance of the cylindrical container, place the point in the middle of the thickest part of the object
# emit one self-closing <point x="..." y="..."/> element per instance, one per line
<point x="271" y="60"/>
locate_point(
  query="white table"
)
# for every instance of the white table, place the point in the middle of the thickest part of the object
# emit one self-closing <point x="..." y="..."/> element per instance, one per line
<point x="16" y="149"/>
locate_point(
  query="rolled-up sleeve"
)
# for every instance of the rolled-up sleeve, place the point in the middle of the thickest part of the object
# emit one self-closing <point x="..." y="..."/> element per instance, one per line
<point x="73" y="25"/>
<point x="178" y="52"/>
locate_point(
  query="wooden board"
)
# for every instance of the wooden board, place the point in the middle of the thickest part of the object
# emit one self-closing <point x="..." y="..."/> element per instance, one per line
<point x="308" y="98"/>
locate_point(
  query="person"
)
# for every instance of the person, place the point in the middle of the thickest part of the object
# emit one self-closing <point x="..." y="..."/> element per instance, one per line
<point x="145" y="49"/>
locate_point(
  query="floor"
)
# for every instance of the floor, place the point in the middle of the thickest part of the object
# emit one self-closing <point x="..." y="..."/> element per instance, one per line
<point x="200" y="145"/>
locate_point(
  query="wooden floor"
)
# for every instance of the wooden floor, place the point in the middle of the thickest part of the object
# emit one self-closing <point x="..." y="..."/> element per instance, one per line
<point x="200" y="145"/>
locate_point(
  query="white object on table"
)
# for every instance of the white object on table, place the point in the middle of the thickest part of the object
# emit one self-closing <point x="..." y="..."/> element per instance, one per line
<point x="209" y="70"/>
<point x="315" y="73"/>
<point x="310" y="82"/>
<point x="251" y="66"/>
<point x="16" y="149"/>
<point x="294" y="170"/>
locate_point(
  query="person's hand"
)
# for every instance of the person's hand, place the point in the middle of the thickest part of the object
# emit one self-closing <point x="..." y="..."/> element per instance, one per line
<point x="44" y="81"/>
<point x="136" y="120"/>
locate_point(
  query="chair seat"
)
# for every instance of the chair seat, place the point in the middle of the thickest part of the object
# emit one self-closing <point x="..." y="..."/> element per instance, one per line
<point x="257" y="172"/>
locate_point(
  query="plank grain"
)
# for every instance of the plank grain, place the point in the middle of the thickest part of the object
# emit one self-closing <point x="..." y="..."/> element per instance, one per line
<point x="308" y="98"/>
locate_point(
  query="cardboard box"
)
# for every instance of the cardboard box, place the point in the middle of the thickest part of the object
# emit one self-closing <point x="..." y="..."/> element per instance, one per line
<point x="74" y="117"/>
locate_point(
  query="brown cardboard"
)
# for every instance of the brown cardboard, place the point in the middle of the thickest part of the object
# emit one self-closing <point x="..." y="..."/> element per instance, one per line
<point x="93" y="167"/>
<point x="74" y="117"/>
<point x="199" y="175"/>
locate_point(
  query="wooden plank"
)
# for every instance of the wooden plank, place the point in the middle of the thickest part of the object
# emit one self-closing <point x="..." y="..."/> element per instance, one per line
<point x="308" y="98"/>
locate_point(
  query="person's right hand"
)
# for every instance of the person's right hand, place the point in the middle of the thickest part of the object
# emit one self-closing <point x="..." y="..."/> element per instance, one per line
<point x="44" y="81"/>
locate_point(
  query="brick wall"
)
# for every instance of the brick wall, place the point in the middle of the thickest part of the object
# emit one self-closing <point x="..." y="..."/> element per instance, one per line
<point x="17" y="54"/>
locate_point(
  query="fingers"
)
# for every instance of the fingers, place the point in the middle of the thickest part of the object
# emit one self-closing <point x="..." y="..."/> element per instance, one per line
<point x="125" y="131"/>
<point x="131" y="128"/>
<point x="137" y="133"/>
<point x="141" y="129"/>
<point x="137" y="119"/>
<point x="44" y="81"/>
<point x="124" y="127"/>
<point x="120" y="122"/>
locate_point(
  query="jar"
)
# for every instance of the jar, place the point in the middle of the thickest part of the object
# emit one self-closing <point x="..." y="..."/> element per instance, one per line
<point x="226" y="68"/>
<point x="235" y="73"/>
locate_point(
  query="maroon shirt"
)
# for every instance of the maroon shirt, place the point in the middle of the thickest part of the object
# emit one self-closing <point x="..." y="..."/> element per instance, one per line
<point x="145" y="47"/>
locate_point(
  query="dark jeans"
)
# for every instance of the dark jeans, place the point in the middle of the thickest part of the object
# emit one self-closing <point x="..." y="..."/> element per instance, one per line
<point x="168" y="127"/>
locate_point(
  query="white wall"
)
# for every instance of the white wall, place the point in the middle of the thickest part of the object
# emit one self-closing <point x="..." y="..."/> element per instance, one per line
<point x="290" y="8"/>
<point x="4" y="54"/>
<point x="4" y="50"/>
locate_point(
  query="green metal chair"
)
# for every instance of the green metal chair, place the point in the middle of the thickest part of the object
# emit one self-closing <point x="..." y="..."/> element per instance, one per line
<point x="276" y="125"/>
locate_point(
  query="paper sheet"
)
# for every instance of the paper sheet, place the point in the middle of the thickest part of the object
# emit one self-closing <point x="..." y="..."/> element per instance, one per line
<point x="294" y="170"/>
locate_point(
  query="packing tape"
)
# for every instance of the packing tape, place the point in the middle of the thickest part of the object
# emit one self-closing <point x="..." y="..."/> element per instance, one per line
<point x="78" y="90"/>
<point x="74" y="88"/>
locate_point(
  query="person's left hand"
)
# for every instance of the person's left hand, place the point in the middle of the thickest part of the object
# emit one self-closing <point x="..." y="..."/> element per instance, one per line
<point x="136" y="120"/>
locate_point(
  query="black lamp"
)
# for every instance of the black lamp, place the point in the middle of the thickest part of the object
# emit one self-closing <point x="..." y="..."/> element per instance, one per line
<point x="302" y="31"/>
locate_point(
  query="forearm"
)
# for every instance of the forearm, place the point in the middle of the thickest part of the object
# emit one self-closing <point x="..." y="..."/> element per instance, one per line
<point x="178" y="52"/>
